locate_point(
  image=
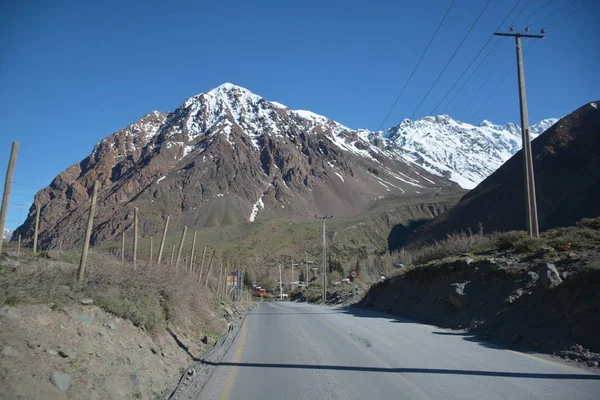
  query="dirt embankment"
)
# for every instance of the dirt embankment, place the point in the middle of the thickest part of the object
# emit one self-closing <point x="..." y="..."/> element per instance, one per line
<point x="58" y="340"/>
<point x="549" y="303"/>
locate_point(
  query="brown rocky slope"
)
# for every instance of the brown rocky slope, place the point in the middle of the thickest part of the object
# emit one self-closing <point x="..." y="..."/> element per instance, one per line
<point x="224" y="157"/>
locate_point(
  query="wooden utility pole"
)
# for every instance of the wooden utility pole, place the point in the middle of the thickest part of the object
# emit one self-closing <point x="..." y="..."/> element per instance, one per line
<point x="88" y="234"/>
<point x="151" y="247"/>
<point x="180" y="247"/>
<point x="530" y="200"/>
<point x="324" y="218"/>
<point x="135" y="236"/>
<point x="173" y="255"/>
<point x="7" y="185"/>
<point x="162" y="242"/>
<point x="209" y="267"/>
<point x="220" y="275"/>
<point x="36" y="228"/>
<point x="123" y="247"/>
<point x="19" y="244"/>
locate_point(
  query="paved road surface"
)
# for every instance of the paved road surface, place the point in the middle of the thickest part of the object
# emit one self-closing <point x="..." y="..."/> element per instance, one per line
<point x="296" y="351"/>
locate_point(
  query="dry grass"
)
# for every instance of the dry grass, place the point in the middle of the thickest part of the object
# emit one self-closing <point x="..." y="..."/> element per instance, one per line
<point x="150" y="297"/>
<point x="454" y="244"/>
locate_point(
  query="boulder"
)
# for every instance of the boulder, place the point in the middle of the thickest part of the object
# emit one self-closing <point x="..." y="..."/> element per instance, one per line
<point x="550" y="278"/>
<point x="53" y="254"/>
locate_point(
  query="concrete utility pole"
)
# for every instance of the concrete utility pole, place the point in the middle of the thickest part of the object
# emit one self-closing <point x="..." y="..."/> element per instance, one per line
<point x="7" y="185"/>
<point x="280" y="284"/>
<point x="36" y="229"/>
<point x="324" y="218"/>
<point x="532" y="218"/>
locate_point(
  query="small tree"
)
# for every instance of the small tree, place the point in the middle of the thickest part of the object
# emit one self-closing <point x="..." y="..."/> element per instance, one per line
<point x="302" y="276"/>
<point x="247" y="281"/>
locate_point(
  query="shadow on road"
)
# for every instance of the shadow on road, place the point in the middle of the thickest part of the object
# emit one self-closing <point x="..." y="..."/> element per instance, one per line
<point x="410" y="370"/>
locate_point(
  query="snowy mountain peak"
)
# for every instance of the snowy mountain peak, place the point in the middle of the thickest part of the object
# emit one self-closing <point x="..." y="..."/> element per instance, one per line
<point x="7" y="234"/>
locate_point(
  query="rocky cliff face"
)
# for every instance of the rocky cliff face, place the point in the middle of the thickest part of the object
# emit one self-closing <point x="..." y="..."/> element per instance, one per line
<point x="225" y="157"/>
<point x="567" y="177"/>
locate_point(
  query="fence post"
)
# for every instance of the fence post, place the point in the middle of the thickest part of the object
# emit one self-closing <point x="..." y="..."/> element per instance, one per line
<point x="19" y="244"/>
<point x="135" y="236"/>
<point x="88" y="234"/>
<point x="123" y="247"/>
<point x="193" y="247"/>
<point x="151" y="246"/>
<point x="36" y="228"/>
<point x="180" y="247"/>
<point x="209" y="267"/>
<point x="202" y="266"/>
<point x="162" y="242"/>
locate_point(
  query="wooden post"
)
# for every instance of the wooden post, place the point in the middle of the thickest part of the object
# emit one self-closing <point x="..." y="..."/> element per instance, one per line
<point x="151" y="246"/>
<point x="135" y="236"/>
<point x="88" y="234"/>
<point x="202" y="266"/>
<point x="193" y="264"/>
<point x="162" y="242"/>
<point x="180" y="247"/>
<point x="185" y="261"/>
<point x="123" y="247"/>
<point x="19" y="244"/>
<point x="7" y="185"/>
<point x="173" y="256"/>
<point x="193" y="248"/>
<point x="36" y="228"/>
<point x="219" y="281"/>
<point x="209" y="267"/>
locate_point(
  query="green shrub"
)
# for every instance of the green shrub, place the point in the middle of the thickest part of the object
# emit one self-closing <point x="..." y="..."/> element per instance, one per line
<point x="572" y="237"/>
<point x="519" y="241"/>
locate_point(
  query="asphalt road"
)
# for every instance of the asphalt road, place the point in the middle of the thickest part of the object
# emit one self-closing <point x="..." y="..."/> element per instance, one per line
<point x="287" y="350"/>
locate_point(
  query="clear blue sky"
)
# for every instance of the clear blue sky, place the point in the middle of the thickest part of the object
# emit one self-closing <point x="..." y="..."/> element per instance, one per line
<point x="72" y="72"/>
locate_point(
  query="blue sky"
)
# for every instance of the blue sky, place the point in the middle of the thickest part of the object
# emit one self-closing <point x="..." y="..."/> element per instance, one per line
<point x="73" y="72"/>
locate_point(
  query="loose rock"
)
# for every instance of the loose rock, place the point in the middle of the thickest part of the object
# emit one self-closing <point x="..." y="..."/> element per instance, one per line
<point x="61" y="380"/>
<point x="53" y="254"/>
<point x="66" y="353"/>
<point x="87" y="302"/>
<point x="550" y="278"/>
<point x="111" y="326"/>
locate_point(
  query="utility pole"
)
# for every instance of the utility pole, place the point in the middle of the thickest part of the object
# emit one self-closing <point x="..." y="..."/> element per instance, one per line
<point x="280" y="284"/>
<point x="7" y="185"/>
<point x="532" y="218"/>
<point x="324" y="218"/>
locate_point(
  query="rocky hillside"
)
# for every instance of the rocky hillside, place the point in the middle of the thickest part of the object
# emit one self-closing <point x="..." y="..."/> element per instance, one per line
<point x="567" y="177"/>
<point x="229" y="156"/>
<point x="225" y="157"/>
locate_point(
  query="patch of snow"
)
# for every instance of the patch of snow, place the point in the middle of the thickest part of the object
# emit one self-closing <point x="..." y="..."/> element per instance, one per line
<point x="255" y="208"/>
<point x="160" y="179"/>
<point x="220" y="195"/>
<point x="341" y="177"/>
<point x="594" y="105"/>
<point x="278" y="105"/>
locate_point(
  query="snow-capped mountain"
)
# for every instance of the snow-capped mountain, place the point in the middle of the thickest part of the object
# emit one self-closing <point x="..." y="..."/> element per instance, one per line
<point x="229" y="156"/>
<point x="7" y="234"/>
<point x="465" y="153"/>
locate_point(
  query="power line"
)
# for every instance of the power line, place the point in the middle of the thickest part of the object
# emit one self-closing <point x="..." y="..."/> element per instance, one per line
<point x="470" y="79"/>
<point x="418" y="63"/>
<point x="486" y="81"/>
<point x="486" y="63"/>
<point x="475" y="58"/>
<point x="569" y="14"/>
<point x="500" y="83"/>
<point x="553" y="13"/>
<point x="538" y="10"/>
<point x="451" y="58"/>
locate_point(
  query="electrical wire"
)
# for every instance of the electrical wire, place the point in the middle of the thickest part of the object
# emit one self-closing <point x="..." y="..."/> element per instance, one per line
<point x="451" y="58"/>
<point x="538" y="10"/>
<point x="417" y="65"/>
<point x="496" y="88"/>
<point x="553" y="13"/>
<point x="486" y="81"/>
<point x="474" y="59"/>
<point x="569" y="14"/>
